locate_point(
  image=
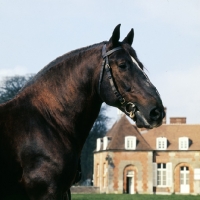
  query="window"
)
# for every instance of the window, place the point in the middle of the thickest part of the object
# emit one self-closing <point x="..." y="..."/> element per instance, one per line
<point x="130" y="142"/>
<point x="183" y="143"/>
<point x="184" y="175"/>
<point x="162" y="174"/>
<point x="104" y="175"/>
<point x="98" y="175"/>
<point x="161" y="143"/>
<point x="99" y="141"/>
<point x="106" y="141"/>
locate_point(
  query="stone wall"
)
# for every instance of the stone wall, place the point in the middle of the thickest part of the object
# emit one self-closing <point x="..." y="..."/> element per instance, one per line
<point x="113" y="180"/>
<point x="191" y="159"/>
<point x="84" y="190"/>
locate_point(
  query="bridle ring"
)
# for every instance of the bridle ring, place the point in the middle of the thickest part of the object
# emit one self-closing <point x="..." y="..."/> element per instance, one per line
<point x="130" y="111"/>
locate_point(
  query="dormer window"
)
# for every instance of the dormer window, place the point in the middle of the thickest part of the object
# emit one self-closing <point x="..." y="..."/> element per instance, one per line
<point x="130" y="142"/>
<point x="106" y="141"/>
<point x="161" y="143"/>
<point x="99" y="141"/>
<point x="183" y="143"/>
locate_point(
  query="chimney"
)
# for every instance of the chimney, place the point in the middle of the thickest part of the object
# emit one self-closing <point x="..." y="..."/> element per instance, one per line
<point x="165" y="118"/>
<point x="177" y="120"/>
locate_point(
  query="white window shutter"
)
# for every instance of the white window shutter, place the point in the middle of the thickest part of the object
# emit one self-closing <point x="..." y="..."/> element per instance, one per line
<point x="157" y="143"/>
<point x="105" y="142"/>
<point x="154" y="174"/>
<point x="169" y="174"/>
<point x="98" y="144"/>
<point x="134" y="143"/>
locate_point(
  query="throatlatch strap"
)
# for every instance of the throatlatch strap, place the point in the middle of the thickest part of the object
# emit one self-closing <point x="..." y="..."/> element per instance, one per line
<point x="101" y="76"/>
<point x="112" y="84"/>
<point x="105" y="64"/>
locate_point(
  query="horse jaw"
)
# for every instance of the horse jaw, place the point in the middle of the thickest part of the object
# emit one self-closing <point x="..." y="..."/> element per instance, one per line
<point x="141" y="122"/>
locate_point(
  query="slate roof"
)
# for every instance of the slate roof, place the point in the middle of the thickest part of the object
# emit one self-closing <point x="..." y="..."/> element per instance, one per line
<point x="120" y="130"/>
<point x="172" y="132"/>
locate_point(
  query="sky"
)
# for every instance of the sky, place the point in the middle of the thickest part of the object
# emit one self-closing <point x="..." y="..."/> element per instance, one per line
<point x="167" y="41"/>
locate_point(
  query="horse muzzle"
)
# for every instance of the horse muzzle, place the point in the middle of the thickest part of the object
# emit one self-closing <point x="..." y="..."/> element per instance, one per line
<point x="141" y="121"/>
<point x="137" y="116"/>
<point x="155" y="116"/>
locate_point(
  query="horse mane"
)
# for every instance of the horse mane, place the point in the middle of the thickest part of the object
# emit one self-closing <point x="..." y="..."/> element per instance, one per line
<point x="70" y="55"/>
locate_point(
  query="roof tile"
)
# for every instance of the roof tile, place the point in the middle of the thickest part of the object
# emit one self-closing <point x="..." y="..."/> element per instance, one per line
<point x="172" y="132"/>
<point x="120" y="130"/>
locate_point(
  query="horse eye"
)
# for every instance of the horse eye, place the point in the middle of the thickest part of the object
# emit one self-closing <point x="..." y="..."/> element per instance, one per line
<point x="122" y="66"/>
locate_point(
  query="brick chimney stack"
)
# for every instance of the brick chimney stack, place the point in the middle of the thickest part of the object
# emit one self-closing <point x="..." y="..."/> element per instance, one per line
<point x="165" y="118"/>
<point x="177" y="120"/>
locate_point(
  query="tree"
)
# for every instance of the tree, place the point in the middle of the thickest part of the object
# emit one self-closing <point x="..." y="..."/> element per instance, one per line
<point x="11" y="86"/>
<point x="98" y="130"/>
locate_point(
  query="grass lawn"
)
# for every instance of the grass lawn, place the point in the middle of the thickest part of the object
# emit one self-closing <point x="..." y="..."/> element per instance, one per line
<point x="132" y="197"/>
<point x="121" y="197"/>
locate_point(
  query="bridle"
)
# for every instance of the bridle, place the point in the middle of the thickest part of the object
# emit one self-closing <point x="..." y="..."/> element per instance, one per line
<point x="128" y="107"/>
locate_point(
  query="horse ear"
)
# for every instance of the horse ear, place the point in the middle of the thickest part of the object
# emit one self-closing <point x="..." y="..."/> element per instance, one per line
<point x="114" y="40"/>
<point x="129" y="38"/>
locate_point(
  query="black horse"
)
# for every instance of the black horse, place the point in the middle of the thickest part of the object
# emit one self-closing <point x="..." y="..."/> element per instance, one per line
<point x="43" y="129"/>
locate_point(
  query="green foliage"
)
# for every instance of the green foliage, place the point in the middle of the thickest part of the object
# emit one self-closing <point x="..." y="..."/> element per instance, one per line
<point x="11" y="86"/>
<point x="99" y="129"/>
<point x="131" y="197"/>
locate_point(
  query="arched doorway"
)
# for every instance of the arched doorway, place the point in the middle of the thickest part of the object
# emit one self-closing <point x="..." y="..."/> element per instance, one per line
<point x="184" y="179"/>
<point x="130" y="182"/>
<point x="129" y="185"/>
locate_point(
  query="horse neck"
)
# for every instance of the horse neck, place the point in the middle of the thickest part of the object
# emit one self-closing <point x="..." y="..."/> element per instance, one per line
<point x="67" y="93"/>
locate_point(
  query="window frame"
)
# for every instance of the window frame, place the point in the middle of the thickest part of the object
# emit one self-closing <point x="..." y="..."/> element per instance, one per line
<point x="104" y="175"/>
<point x="98" y="144"/>
<point x="98" y="175"/>
<point x="183" y="143"/>
<point x="169" y="175"/>
<point x="130" y="142"/>
<point x="162" y="170"/>
<point x="105" y="142"/>
<point x="161" y="143"/>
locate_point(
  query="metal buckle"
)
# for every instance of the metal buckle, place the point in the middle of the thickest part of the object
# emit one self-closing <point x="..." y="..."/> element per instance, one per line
<point x="108" y="66"/>
<point x="131" y="113"/>
<point x="123" y="101"/>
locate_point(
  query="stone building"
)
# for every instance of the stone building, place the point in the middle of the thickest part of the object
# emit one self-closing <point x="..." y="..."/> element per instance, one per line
<point x="161" y="160"/>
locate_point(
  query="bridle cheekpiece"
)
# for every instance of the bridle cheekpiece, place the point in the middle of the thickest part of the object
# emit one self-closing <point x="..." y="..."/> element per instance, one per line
<point x="128" y="107"/>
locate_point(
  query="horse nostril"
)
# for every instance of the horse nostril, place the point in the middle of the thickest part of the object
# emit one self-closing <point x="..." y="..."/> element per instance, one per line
<point x="155" y="114"/>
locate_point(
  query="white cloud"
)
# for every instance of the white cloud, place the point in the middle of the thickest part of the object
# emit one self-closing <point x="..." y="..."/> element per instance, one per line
<point x="17" y="70"/>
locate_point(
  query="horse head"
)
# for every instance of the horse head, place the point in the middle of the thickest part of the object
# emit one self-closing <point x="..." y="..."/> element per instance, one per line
<point x="124" y="84"/>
